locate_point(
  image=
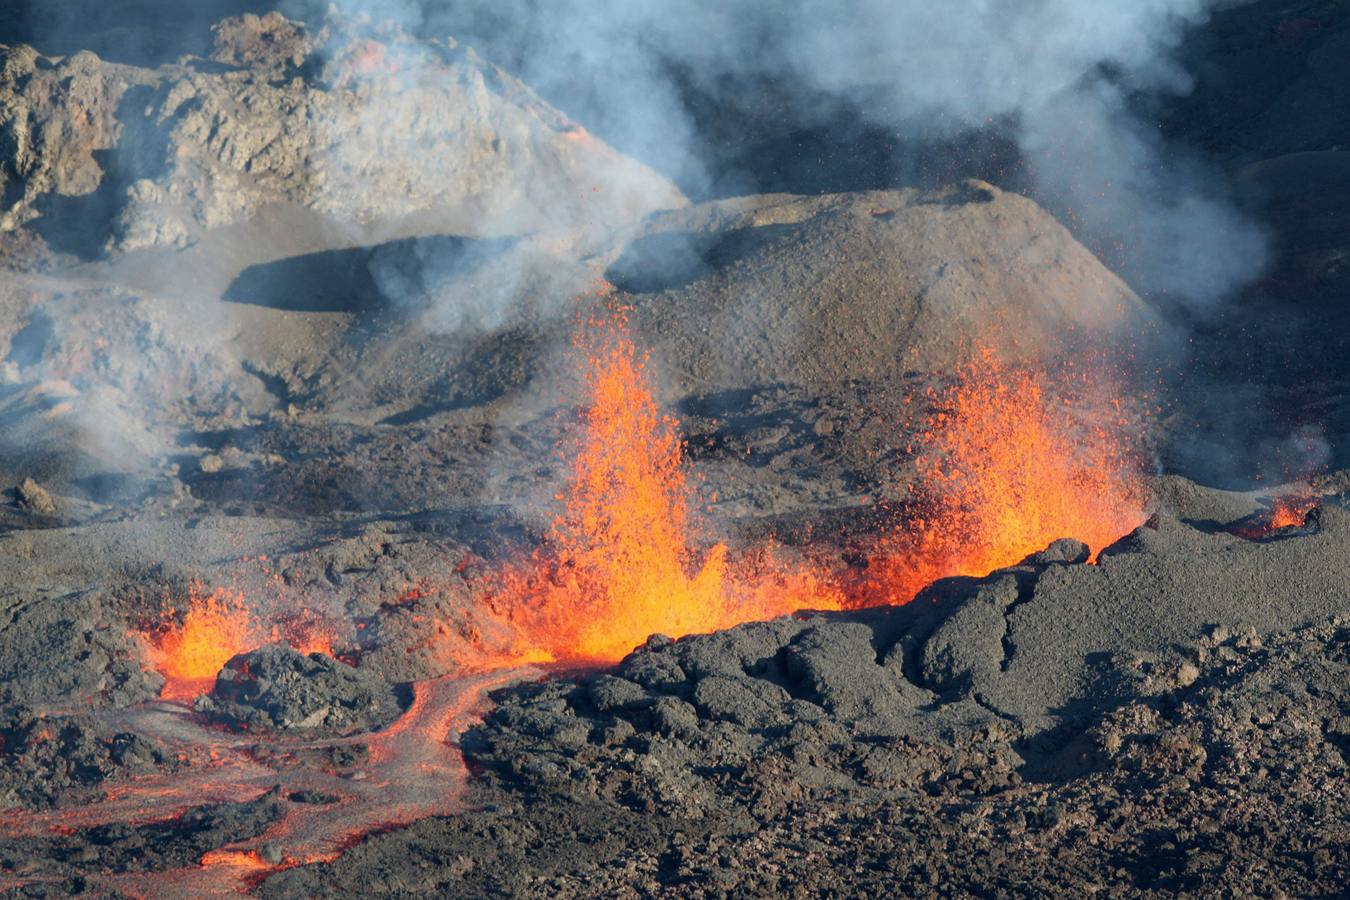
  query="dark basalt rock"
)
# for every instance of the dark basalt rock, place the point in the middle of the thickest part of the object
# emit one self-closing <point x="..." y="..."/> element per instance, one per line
<point x="277" y="688"/>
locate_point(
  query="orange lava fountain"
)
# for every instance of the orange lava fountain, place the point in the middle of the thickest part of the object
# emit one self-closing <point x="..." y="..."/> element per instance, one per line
<point x="620" y="563"/>
<point x="1290" y="511"/>
<point x="216" y="627"/>
<point x="1004" y="469"/>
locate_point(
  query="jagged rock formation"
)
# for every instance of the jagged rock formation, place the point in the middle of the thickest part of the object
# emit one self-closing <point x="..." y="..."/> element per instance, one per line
<point x="363" y="131"/>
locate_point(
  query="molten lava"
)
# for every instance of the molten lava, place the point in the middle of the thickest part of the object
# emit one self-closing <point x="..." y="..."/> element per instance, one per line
<point x="1289" y="511"/>
<point x="1004" y="468"/>
<point x="621" y="561"/>
<point x="215" y="627"/>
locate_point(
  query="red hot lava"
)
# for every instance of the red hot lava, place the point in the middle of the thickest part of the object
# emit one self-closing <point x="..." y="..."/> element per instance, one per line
<point x="1289" y="511"/>
<point x="214" y="627"/>
<point x="411" y="773"/>
<point x="1008" y="460"/>
<point x="1004" y="468"/>
<point x="623" y="559"/>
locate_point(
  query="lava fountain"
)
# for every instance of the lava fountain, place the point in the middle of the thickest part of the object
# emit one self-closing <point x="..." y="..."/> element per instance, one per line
<point x="621" y="560"/>
<point x="215" y="627"/>
<point x="1008" y="461"/>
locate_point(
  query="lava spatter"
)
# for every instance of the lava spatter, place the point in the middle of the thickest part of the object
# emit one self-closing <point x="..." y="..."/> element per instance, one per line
<point x="216" y="626"/>
<point x="1008" y="459"/>
<point x="623" y="559"/>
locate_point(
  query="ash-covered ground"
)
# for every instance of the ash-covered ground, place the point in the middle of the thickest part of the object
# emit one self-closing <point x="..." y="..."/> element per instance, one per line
<point x="289" y="338"/>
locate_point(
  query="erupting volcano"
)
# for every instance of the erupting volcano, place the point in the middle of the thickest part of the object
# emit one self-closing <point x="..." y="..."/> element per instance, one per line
<point x="892" y="453"/>
<point x="215" y="627"/>
<point x="1008" y="460"/>
<point x="622" y="561"/>
<point x="1004" y="467"/>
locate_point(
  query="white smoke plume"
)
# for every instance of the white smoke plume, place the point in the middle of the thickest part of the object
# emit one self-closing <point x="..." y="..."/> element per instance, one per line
<point x="1062" y="78"/>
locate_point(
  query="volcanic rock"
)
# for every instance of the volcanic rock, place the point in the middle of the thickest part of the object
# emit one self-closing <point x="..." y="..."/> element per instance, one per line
<point x="816" y="290"/>
<point x="57" y="647"/>
<point x="278" y="688"/>
<point x="1036" y="650"/>
<point x="370" y="131"/>
<point x="176" y="842"/>
<point x="1160" y="794"/>
<point x="46" y="757"/>
<point x="54" y="116"/>
<point x="34" y="498"/>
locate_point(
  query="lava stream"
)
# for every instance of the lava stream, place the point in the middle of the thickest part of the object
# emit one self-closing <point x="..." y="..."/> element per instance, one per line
<point x="411" y="773"/>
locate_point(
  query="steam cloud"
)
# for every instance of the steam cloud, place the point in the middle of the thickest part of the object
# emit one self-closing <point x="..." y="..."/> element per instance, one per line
<point x="1061" y="78"/>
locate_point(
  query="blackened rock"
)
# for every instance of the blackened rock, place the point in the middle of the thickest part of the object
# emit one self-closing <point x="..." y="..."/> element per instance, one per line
<point x="61" y="647"/>
<point x="750" y="702"/>
<point x="42" y="757"/>
<point x="835" y="666"/>
<point x="608" y="693"/>
<point x="674" y="718"/>
<point x="653" y="670"/>
<point x="276" y="687"/>
<point x="1064" y="550"/>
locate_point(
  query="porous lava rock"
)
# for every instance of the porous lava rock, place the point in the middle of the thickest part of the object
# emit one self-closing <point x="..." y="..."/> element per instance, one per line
<point x="1231" y="781"/>
<point x="54" y="648"/>
<point x="280" y="689"/>
<point x="48" y="756"/>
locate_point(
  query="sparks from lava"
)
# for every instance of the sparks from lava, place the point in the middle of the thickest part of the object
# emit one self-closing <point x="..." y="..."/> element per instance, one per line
<point x="1005" y="467"/>
<point x="1291" y="511"/>
<point x="622" y="560"/>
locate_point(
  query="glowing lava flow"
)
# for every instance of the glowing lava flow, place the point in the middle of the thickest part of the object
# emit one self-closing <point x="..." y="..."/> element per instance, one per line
<point x="620" y="563"/>
<point x="1003" y="470"/>
<point x="411" y="772"/>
